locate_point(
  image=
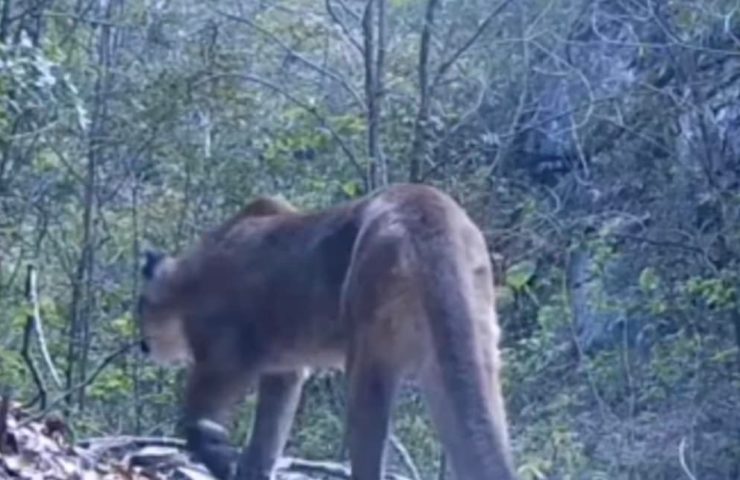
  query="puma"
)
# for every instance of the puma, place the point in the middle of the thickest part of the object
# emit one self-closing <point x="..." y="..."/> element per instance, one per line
<point x="397" y="284"/>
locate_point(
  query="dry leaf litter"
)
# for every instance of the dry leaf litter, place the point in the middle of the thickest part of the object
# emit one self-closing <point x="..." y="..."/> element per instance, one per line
<point x="40" y="450"/>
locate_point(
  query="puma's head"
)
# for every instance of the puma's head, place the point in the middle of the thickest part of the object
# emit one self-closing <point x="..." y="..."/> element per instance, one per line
<point x="159" y="311"/>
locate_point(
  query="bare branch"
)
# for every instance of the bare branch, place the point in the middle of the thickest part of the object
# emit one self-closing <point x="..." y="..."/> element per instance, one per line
<point x="28" y="360"/>
<point x="682" y="459"/>
<point x="405" y="455"/>
<point x="643" y="44"/>
<point x="590" y="96"/>
<point x="465" y="118"/>
<point x="369" y="47"/>
<point x="332" y="469"/>
<point x="349" y="11"/>
<point x="94" y="375"/>
<point x="33" y="298"/>
<point x="5" y="396"/>
<point x="33" y="324"/>
<point x="567" y="289"/>
<point x="333" y="14"/>
<point x="309" y="63"/>
<point x="95" y="22"/>
<point x="447" y="64"/>
<point x="659" y="243"/>
<point x="310" y="109"/>
<point x="98" y="446"/>
<point x="379" y="88"/>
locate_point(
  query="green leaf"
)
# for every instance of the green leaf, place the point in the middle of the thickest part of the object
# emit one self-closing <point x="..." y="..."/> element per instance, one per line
<point x="649" y="280"/>
<point x="124" y="325"/>
<point x="352" y="189"/>
<point x="519" y="274"/>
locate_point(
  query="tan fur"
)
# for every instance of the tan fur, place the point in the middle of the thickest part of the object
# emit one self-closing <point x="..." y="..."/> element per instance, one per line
<point x="165" y="332"/>
<point x="396" y="284"/>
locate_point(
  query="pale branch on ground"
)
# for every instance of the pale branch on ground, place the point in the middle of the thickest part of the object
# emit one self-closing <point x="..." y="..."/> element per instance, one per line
<point x="406" y="457"/>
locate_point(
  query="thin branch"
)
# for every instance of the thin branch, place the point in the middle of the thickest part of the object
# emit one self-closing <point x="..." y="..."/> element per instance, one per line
<point x="567" y="291"/>
<point x="94" y="22"/>
<point x="406" y="457"/>
<point x="333" y="14"/>
<point x="94" y="375"/>
<point x="659" y="243"/>
<point x="310" y="64"/>
<point x="578" y="144"/>
<point x="28" y="360"/>
<point x="590" y="101"/>
<point x="379" y="88"/>
<point x="600" y="42"/>
<point x="31" y="325"/>
<point x="464" y="119"/>
<point x="682" y="459"/>
<point x="623" y="128"/>
<point x="516" y="119"/>
<point x="104" y="444"/>
<point x="349" y="11"/>
<point x="4" y="411"/>
<point x="369" y="48"/>
<point x="332" y="469"/>
<point x="310" y="109"/>
<point x="446" y="65"/>
<point x="33" y="298"/>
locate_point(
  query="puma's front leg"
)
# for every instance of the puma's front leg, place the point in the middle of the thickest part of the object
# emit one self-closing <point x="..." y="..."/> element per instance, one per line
<point x="277" y="401"/>
<point x="210" y="396"/>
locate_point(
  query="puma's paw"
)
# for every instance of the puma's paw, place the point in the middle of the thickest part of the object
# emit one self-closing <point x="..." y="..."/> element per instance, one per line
<point x="209" y="443"/>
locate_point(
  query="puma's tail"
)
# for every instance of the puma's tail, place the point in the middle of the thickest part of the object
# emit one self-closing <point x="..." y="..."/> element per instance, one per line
<point x="462" y="383"/>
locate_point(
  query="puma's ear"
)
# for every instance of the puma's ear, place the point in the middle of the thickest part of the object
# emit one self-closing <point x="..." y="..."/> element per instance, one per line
<point x="151" y="260"/>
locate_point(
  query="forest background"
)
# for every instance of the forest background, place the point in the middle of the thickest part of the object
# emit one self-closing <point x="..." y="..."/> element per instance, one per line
<point x="596" y="143"/>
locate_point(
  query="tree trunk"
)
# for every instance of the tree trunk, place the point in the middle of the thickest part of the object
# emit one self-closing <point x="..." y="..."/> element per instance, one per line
<point x="82" y="290"/>
<point x="5" y="20"/>
<point x="373" y="27"/>
<point x="419" y="145"/>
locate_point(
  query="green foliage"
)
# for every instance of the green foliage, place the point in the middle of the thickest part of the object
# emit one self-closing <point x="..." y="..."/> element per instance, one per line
<point x="322" y="429"/>
<point x="352" y="189"/>
<point x="717" y="293"/>
<point x="31" y="80"/>
<point x="12" y="368"/>
<point x="649" y="281"/>
<point x="416" y="432"/>
<point x="559" y="454"/>
<point x="124" y="326"/>
<point x="518" y="275"/>
<point x="110" y="385"/>
<point x="320" y="436"/>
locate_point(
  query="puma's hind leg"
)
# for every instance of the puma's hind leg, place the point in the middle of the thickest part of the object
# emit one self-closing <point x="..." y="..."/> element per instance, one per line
<point x="372" y="385"/>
